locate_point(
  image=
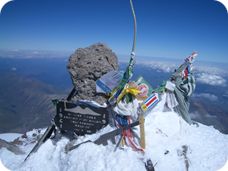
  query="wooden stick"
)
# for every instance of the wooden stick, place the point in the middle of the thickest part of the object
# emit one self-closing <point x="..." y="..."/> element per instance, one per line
<point x="142" y="131"/>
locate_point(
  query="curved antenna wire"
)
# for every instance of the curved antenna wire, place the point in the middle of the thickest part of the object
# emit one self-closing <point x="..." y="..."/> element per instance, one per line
<point x="135" y="29"/>
<point x="128" y="72"/>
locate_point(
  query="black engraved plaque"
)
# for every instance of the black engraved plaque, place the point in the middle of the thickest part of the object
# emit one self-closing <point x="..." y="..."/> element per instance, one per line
<point x="80" y="118"/>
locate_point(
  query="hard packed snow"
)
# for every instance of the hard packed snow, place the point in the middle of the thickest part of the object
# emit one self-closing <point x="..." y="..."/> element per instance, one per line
<point x="171" y="144"/>
<point x="9" y="136"/>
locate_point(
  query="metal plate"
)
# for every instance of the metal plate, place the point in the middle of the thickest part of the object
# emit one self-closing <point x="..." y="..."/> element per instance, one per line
<point x="80" y="118"/>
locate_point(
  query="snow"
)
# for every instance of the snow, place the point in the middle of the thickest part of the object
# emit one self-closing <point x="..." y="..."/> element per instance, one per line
<point x="2" y="167"/>
<point x="166" y="136"/>
<point x="225" y="167"/>
<point x="127" y="109"/>
<point x="9" y="136"/>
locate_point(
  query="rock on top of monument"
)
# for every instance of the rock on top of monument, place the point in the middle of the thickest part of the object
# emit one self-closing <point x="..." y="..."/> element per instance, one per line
<point x="87" y="65"/>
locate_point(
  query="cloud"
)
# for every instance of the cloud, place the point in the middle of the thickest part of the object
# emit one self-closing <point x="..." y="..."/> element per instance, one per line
<point x="167" y="65"/>
<point x="208" y="96"/>
<point x="216" y="70"/>
<point x="211" y="79"/>
<point x="201" y="117"/>
<point x="209" y="73"/>
<point x="160" y="66"/>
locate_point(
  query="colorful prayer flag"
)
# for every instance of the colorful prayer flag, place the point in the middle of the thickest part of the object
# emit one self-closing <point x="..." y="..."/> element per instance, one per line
<point x="150" y="102"/>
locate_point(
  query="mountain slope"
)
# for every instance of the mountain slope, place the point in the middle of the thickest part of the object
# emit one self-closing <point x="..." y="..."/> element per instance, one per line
<point x="25" y="103"/>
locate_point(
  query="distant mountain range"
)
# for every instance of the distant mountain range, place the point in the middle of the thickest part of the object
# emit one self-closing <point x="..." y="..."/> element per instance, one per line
<point x="25" y="103"/>
<point x="28" y="86"/>
<point x="31" y="54"/>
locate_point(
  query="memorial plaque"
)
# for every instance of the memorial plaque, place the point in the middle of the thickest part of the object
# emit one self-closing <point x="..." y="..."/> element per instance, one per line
<point x="80" y="118"/>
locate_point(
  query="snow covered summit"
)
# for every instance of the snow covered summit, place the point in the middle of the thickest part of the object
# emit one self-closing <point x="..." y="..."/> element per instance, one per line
<point x="171" y="143"/>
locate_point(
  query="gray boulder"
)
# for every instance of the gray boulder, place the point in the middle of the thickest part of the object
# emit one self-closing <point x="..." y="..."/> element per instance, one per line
<point x="87" y="65"/>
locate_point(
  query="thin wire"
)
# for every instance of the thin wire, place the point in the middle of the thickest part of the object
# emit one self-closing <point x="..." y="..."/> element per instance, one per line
<point x="135" y="28"/>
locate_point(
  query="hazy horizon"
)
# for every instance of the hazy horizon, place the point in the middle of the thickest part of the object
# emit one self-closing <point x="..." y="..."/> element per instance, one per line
<point x="33" y="53"/>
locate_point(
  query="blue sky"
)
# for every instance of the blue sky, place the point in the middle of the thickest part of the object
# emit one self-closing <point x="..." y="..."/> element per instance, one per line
<point x="166" y="28"/>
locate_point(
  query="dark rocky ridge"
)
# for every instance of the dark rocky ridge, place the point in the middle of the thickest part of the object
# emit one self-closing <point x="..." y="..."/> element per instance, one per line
<point x="11" y="147"/>
<point x="87" y="65"/>
<point x="25" y="103"/>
